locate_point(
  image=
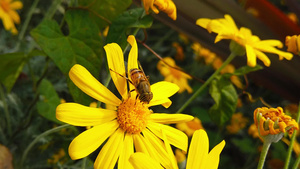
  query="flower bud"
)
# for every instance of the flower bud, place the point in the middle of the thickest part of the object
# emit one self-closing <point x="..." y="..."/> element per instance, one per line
<point x="272" y="123"/>
<point x="293" y="44"/>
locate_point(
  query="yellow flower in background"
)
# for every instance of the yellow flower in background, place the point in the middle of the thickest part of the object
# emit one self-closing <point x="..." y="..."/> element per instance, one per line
<point x="227" y="29"/>
<point x="252" y="131"/>
<point x="179" y="51"/>
<point x="174" y="75"/>
<point x="293" y="17"/>
<point x="273" y="121"/>
<point x="180" y="156"/>
<point x="293" y="44"/>
<point x="238" y="122"/>
<point x="199" y="156"/>
<point x="190" y="127"/>
<point x="59" y="156"/>
<point x="166" y="6"/>
<point x="204" y="53"/>
<point x="133" y="126"/>
<point x="8" y="14"/>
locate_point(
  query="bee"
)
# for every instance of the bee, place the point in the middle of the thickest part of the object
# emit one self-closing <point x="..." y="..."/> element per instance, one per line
<point x="141" y="83"/>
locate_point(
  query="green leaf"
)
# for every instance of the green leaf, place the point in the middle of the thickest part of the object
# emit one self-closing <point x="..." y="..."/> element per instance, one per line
<point x="48" y="102"/>
<point x="225" y="97"/>
<point x="245" y="145"/>
<point x="246" y="69"/>
<point x="102" y="10"/>
<point x="81" y="46"/>
<point x="133" y="18"/>
<point x="11" y="66"/>
<point x="201" y="113"/>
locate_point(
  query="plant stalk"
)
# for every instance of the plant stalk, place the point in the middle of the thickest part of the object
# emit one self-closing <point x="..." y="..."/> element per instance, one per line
<point x="207" y="82"/>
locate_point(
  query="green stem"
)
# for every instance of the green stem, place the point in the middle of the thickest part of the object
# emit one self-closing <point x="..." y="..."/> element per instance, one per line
<point x="53" y="130"/>
<point x="84" y="163"/>
<point x="5" y="107"/>
<point x="207" y="82"/>
<point x="296" y="164"/>
<point x="287" y="160"/>
<point x="263" y="154"/>
<point x="51" y="11"/>
<point x="26" y="22"/>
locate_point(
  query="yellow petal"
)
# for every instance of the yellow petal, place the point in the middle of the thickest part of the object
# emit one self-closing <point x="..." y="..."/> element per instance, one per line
<point x="263" y="57"/>
<point x="169" y="151"/>
<point x="83" y="79"/>
<point x="198" y="150"/>
<point x="91" y="139"/>
<point x="147" y="5"/>
<point x="79" y="115"/>
<point x="164" y="102"/>
<point x="270" y="42"/>
<point x="175" y="136"/>
<point x="16" y="5"/>
<point x="14" y="16"/>
<point x="115" y="60"/>
<point x="141" y="160"/>
<point x="139" y="144"/>
<point x="7" y="21"/>
<point x="164" y="118"/>
<point x="157" y="146"/>
<point x="231" y="22"/>
<point x="203" y="22"/>
<point x="126" y="152"/>
<point x="110" y="152"/>
<point x="214" y="156"/>
<point x="162" y="90"/>
<point x="251" y="56"/>
<point x="133" y="56"/>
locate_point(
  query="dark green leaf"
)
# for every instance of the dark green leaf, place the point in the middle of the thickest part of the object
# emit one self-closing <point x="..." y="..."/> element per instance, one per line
<point x="48" y="102"/>
<point x="129" y="19"/>
<point x="245" y="145"/>
<point x="81" y="46"/>
<point x="246" y="69"/>
<point x="102" y="10"/>
<point x="201" y="113"/>
<point x="11" y="66"/>
<point x="225" y="97"/>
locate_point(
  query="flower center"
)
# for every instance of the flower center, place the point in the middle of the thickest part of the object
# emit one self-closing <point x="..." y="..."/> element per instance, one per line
<point x="5" y="6"/>
<point x="133" y="116"/>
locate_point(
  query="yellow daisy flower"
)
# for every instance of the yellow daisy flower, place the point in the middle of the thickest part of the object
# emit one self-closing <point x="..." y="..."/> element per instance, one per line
<point x="9" y="15"/>
<point x="174" y="75"/>
<point x="198" y="155"/>
<point x="166" y="6"/>
<point x="238" y="122"/>
<point x="227" y="29"/>
<point x="133" y="126"/>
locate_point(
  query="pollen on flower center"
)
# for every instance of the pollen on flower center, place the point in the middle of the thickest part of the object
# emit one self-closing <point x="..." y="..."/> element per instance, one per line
<point x="133" y="116"/>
